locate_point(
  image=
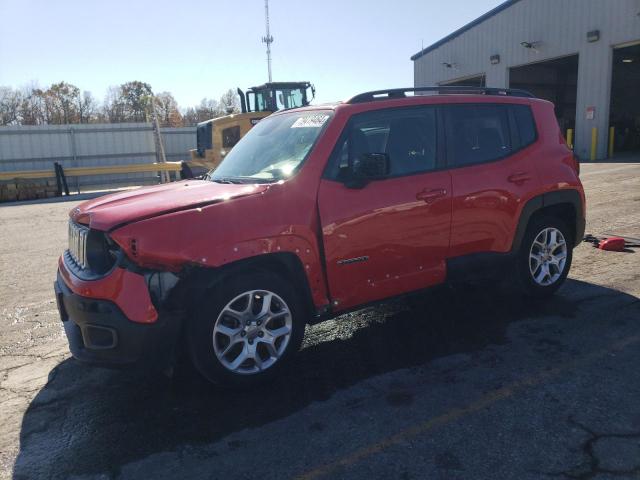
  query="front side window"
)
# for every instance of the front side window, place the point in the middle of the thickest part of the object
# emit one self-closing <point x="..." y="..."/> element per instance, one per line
<point x="406" y="136"/>
<point x="477" y="133"/>
<point x="274" y="149"/>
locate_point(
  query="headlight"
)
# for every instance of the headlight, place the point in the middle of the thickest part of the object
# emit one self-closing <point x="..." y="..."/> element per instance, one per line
<point x="102" y="252"/>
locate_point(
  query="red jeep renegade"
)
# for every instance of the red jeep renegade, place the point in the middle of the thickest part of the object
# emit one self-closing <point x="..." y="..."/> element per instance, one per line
<point x="317" y="211"/>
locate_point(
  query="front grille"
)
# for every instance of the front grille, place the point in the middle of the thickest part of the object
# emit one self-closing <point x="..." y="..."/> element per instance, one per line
<point x="78" y="244"/>
<point x="91" y="252"/>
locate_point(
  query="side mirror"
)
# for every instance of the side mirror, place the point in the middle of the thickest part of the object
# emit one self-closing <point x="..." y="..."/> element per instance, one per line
<point x="367" y="167"/>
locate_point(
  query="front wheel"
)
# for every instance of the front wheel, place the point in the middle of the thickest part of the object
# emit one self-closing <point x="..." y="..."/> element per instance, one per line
<point x="245" y="329"/>
<point x="545" y="256"/>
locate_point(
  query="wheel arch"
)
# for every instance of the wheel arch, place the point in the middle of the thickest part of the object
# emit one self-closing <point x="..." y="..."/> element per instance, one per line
<point x="563" y="204"/>
<point x="284" y="264"/>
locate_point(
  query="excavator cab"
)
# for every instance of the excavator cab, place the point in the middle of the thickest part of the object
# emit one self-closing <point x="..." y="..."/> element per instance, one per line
<point x="275" y="96"/>
<point x="215" y="137"/>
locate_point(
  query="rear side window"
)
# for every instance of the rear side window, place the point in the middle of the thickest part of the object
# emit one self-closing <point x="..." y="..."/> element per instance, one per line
<point x="477" y="133"/>
<point x="525" y="124"/>
<point x="407" y="136"/>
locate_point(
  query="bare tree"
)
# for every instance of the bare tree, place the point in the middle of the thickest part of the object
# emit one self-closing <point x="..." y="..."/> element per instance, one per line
<point x="87" y="108"/>
<point x="206" y="110"/>
<point x="189" y="117"/>
<point x="113" y="107"/>
<point x="136" y="97"/>
<point x="33" y="110"/>
<point x="47" y="108"/>
<point x="229" y="102"/>
<point x="129" y="102"/>
<point x="168" y="110"/>
<point x="10" y="101"/>
<point x="62" y="101"/>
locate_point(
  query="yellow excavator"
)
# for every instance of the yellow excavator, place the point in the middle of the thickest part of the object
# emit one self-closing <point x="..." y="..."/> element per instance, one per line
<point x="215" y="137"/>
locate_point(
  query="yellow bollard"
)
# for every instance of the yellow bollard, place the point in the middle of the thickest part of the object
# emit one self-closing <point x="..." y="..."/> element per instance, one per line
<point x="570" y="138"/>
<point x="594" y="143"/>
<point x="612" y="140"/>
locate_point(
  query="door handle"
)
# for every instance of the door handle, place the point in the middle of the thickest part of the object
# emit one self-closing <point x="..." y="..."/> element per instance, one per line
<point x="519" y="178"/>
<point x="430" y="196"/>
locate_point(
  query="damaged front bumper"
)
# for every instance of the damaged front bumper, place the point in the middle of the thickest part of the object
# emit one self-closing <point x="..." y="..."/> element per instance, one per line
<point x="114" y="322"/>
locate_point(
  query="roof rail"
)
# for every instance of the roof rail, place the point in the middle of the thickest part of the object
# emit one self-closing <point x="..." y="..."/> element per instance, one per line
<point x="440" y="89"/>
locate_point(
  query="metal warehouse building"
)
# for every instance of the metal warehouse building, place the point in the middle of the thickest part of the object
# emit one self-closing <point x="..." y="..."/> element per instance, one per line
<point x="583" y="55"/>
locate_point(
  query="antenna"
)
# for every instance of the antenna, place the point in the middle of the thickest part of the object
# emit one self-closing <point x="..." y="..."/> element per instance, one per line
<point x="268" y="39"/>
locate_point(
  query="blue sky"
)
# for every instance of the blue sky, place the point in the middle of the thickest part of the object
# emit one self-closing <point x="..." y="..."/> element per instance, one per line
<point x="200" y="48"/>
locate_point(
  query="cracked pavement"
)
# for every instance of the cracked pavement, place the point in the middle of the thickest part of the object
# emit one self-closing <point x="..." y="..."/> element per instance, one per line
<point x="459" y="383"/>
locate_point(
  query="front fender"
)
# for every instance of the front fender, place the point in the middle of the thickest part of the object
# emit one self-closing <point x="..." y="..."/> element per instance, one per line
<point x="161" y="244"/>
<point x="304" y="248"/>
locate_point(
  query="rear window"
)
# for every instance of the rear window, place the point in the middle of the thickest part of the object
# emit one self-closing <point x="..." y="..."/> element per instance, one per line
<point x="525" y="124"/>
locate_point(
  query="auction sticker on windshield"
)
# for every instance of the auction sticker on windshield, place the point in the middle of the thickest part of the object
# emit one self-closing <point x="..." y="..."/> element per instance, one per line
<point x="311" y="121"/>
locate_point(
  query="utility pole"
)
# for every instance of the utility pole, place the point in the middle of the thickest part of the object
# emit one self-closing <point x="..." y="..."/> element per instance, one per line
<point x="268" y="39"/>
<point x="160" y="155"/>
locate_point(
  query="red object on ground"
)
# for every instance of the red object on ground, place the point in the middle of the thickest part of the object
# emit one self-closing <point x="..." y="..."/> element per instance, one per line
<point x="613" y="244"/>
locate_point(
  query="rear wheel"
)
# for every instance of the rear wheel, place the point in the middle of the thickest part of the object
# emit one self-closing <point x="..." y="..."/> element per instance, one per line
<point x="545" y="256"/>
<point x="244" y="330"/>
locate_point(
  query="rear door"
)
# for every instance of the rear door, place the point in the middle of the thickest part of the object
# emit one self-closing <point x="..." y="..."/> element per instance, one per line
<point x="392" y="235"/>
<point x="490" y="150"/>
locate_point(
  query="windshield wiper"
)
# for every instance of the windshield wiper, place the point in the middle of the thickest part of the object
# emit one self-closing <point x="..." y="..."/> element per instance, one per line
<point x="226" y="180"/>
<point x="242" y="180"/>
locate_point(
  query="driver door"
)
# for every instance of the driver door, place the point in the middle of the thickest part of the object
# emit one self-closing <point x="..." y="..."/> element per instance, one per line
<point x="392" y="235"/>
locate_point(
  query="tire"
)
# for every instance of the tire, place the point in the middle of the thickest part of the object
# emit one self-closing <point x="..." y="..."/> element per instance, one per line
<point x="218" y="334"/>
<point x="532" y="278"/>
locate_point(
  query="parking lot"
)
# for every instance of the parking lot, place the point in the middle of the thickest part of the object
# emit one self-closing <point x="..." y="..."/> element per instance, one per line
<point x="458" y="383"/>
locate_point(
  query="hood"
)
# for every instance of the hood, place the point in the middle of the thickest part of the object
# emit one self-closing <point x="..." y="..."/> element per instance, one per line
<point x="105" y="213"/>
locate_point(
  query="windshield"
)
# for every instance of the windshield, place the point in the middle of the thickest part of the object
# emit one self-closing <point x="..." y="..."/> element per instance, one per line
<point x="271" y="100"/>
<point x="290" y="98"/>
<point x="272" y="150"/>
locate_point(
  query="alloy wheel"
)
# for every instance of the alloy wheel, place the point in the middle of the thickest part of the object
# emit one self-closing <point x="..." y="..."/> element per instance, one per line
<point x="252" y="332"/>
<point x="548" y="256"/>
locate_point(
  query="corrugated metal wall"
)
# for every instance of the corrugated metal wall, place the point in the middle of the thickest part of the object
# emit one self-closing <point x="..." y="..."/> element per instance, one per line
<point x="38" y="147"/>
<point x="561" y="26"/>
<point x="178" y="142"/>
